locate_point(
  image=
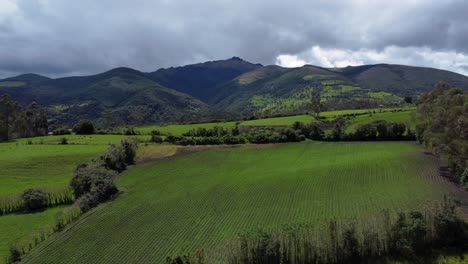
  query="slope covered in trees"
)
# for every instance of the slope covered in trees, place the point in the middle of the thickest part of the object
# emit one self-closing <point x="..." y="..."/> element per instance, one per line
<point x="225" y="89"/>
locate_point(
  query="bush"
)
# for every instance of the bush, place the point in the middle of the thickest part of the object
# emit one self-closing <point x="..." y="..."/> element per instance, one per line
<point x="92" y="178"/>
<point x="129" y="131"/>
<point x="63" y="141"/>
<point x="15" y="255"/>
<point x="84" y="127"/>
<point x="234" y="140"/>
<point x="464" y="178"/>
<point x="61" y="131"/>
<point x="34" y="199"/>
<point x="156" y="133"/>
<point x="156" y="139"/>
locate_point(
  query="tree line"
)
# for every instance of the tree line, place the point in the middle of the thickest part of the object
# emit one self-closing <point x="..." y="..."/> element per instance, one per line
<point x="443" y="127"/>
<point x="17" y="121"/>
<point x="373" y="131"/>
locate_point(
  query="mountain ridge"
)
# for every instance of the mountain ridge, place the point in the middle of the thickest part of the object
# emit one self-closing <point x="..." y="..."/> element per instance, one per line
<point x="215" y="88"/>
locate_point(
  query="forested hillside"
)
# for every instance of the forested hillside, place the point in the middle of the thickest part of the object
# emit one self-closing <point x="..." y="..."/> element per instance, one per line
<point x="224" y="89"/>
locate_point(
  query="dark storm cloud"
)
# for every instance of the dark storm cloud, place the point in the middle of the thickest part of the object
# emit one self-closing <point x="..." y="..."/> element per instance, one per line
<point x="63" y="37"/>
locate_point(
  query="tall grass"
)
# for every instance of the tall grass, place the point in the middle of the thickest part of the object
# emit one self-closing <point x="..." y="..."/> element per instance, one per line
<point x="416" y="235"/>
<point x="55" y="196"/>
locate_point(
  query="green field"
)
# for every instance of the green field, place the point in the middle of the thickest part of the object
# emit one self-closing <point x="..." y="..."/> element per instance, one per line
<point x="41" y="162"/>
<point x="178" y="130"/>
<point x="26" y="166"/>
<point x="197" y="200"/>
<point x="398" y="117"/>
<point x="279" y="121"/>
<point x="19" y="227"/>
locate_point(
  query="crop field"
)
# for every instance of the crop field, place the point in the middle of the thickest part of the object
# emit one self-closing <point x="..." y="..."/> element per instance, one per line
<point x="178" y="130"/>
<point x="400" y="117"/>
<point x="14" y="228"/>
<point x="186" y="202"/>
<point x="25" y="166"/>
<point x="80" y="139"/>
<point x="279" y="121"/>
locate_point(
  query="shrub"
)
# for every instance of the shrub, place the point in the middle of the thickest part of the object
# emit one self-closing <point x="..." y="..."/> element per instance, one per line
<point x="88" y="178"/>
<point x="156" y="133"/>
<point x="61" y="131"/>
<point x="156" y="139"/>
<point x="464" y="178"/>
<point x="84" y="127"/>
<point x="233" y="140"/>
<point x="129" y="131"/>
<point x="129" y="149"/>
<point x="63" y="141"/>
<point x="34" y="199"/>
<point x="15" y="255"/>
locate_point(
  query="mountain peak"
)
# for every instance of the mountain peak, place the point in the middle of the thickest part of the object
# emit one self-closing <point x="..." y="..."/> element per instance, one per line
<point x="123" y="70"/>
<point x="28" y="77"/>
<point x="236" y="58"/>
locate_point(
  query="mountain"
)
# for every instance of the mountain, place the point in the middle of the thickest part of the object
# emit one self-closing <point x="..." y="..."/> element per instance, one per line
<point x="287" y="91"/>
<point x="221" y="89"/>
<point x="201" y="80"/>
<point x="118" y="96"/>
<point x="401" y="79"/>
<point x="28" y="77"/>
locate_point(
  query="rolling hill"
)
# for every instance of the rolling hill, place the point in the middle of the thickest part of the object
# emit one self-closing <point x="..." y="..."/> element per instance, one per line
<point x="202" y="80"/>
<point x="288" y="91"/>
<point x="118" y="96"/>
<point x="221" y="89"/>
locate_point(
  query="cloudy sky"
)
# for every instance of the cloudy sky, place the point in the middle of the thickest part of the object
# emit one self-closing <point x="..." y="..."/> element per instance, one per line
<point x="70" y="37"/>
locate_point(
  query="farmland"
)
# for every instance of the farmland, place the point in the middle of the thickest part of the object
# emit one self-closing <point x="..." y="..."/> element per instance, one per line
<point x="363" y="116"/>
<point x="43" y="162"/>
<point x="25" y="166"/>
<point x="197" y="200"/>
<point x="178" y="130"/>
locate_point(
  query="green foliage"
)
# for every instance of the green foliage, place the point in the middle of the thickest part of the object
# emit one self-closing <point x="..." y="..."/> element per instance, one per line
<point x="34" y="200"/>
<point x="16" y="121"/>
<point x="64" y="141"/>
<point x="443" y="128"/>
<point x="84" y="127"/>
<point x="200" y="199"/>
<point x="408" y="239"/>
<point x="156" y="139"/>
<point x="15" y="255"/>
<point x="93" y="183"/>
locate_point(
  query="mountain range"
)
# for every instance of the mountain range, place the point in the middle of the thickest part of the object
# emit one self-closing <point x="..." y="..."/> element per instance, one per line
<point x="232" y="88"/>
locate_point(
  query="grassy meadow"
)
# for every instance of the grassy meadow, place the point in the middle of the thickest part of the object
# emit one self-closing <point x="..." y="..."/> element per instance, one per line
<point x="178" y="130"/>
<point x="24" y="166"/>
<point x="43" y="162"/>
<point x="363" y="116"/>
<point x="182" y="203"/>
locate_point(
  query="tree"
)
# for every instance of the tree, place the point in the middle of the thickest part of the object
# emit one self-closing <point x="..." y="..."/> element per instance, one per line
<point x="315" y="105"/>
<point x="32" y="121"/>
<point x="408" y="99"/>
<point x="442" y="115"/>
<point x="8" y="109"/>
<point x="34" y="199"/>
<point x="84" y="127"/>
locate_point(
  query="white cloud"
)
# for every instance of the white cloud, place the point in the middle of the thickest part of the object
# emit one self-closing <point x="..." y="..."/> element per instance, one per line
<point x="289" y="61"/>
<point x="416" y="56"/>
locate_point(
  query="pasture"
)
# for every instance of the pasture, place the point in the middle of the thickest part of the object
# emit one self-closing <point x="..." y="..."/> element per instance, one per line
<point x="186" y="202"/>
<point x="397" y="117"/>
<point x="178" y="130"/>
<point x="24" y="166"/>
